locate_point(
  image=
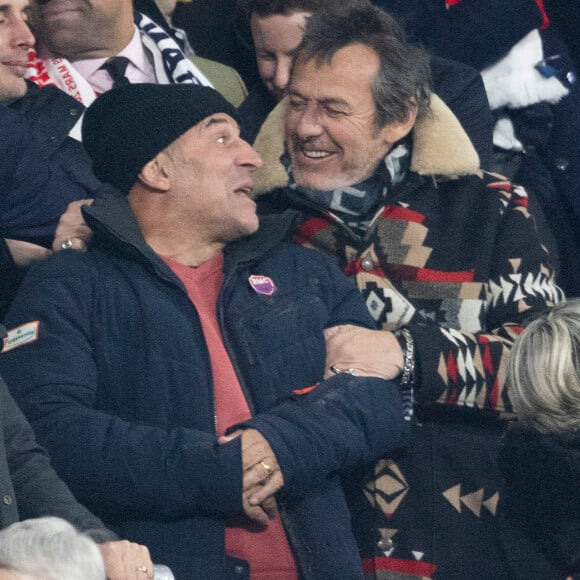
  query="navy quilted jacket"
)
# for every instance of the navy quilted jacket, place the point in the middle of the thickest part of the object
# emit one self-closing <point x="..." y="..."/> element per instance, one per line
<point x="118" y="387"/>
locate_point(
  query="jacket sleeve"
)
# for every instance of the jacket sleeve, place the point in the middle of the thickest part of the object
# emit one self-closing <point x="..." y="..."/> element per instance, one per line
<point x="134" y="468"/>
<point x="37" y="488"/>
<point x="343" y="423"/>
<point x="34" y="190"/>
<point x="469" y="368"/>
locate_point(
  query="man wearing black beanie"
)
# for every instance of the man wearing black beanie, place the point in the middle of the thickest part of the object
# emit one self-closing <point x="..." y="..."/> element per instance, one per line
<point x="177" y="373"/>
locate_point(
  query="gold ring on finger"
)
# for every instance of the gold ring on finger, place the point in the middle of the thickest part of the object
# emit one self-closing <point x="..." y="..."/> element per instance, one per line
<point x="267" y="467"/>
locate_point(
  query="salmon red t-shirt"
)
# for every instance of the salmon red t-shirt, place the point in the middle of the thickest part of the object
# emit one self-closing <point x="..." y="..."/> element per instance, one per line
<point x="265" y="549"/>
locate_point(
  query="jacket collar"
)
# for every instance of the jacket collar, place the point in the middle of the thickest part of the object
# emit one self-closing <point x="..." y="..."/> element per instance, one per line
<point x="441" y="148"/>
<point x="113" y="221"/>
<point x="50" y="112"/>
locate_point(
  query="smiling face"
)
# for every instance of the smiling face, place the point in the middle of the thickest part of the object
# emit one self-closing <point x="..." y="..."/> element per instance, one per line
<point x="211" y="179"/>
<point x="276" y="38"/>
<point x="331" y="134"/>
<point x="15" y="40"/>
<point x="79" y="29"/>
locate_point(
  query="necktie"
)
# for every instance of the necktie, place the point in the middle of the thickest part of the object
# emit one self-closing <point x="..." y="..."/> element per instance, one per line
<point x="116" y="67"/>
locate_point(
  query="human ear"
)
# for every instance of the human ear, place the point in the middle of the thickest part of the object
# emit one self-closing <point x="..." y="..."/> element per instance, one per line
<point x="156" y="174"/>
<point x="394" y="132"/>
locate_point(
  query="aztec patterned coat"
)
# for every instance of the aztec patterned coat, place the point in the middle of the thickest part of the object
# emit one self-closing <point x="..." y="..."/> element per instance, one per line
<point x="453" y="255"/>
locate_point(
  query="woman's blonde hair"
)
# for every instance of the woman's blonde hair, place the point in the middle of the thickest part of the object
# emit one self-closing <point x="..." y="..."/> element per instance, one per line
<point x="544" y="371"/>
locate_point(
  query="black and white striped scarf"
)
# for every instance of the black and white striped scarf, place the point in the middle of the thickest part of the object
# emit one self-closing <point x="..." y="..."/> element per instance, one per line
<point x="171" y="64"/>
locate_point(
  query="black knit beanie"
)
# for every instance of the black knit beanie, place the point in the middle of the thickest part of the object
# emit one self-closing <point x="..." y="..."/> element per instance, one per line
<point x="127" y="127"/>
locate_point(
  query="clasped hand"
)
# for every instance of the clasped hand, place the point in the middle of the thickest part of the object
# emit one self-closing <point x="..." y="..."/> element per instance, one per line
<point x="262" y="476"/>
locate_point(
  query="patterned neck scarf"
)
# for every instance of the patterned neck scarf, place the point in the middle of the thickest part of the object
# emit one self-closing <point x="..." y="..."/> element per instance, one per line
<point x="357" y="205"/>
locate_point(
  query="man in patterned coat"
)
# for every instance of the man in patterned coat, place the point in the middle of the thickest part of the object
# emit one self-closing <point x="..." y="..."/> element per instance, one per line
<point x="449" y="262"/>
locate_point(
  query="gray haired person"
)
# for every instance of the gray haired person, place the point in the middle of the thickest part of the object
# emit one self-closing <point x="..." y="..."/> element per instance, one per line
<point x="277" y="28"/>
<point x="446" y="257"/>
<point x="48" y="549"/>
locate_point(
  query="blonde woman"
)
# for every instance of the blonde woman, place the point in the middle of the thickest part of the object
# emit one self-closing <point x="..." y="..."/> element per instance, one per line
<point x="540" y="459"/>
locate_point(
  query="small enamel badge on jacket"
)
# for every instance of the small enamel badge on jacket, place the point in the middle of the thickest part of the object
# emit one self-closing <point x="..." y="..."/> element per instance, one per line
<point x="21" y="335"/>
<point x="262" y="285"/>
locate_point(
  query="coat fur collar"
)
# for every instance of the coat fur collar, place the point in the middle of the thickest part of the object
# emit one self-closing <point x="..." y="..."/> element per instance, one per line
<point x="440" y="147"/>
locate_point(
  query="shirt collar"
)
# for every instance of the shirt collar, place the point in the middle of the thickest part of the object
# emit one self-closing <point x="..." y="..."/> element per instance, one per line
<point x="138" y="63"/>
